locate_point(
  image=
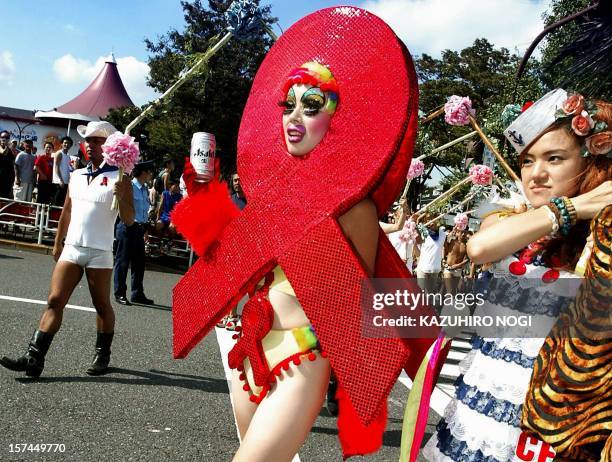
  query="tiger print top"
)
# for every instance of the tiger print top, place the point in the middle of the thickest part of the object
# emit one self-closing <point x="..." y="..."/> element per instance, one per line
<point x="569" y="401"/>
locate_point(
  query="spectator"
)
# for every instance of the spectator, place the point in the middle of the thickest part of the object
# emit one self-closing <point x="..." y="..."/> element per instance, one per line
<point x="7" y="169"/>
<point x="131" y="240"/>
<point x="455" y="259"/>
<point x="61" y="171"/>
<point x="169" y="199"/>
<point x="238" y="194"/>
<point x="430" y="259"/>
<point x="44" y="169"/>
<point x="161" y="183"/>
<point x="13" y="147"/>
<point x="24" y="174"/>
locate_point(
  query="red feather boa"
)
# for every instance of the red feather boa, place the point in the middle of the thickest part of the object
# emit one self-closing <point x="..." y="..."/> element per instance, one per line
<point x="201" y="218"/>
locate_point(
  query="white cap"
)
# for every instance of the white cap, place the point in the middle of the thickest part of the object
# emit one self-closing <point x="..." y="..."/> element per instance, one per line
<point x="531" y="123"/>
<point x="96" y="129"/>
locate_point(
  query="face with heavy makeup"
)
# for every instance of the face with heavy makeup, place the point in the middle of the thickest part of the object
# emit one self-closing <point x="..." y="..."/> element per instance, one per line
<point x="552" y="167"/>
<point x="305" y="122"/>
<point x="308" y="106"/>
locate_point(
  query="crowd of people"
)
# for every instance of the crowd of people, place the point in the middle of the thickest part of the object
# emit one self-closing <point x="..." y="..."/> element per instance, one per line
<point x="28" y="176"/>
<point x="310" y="241"/>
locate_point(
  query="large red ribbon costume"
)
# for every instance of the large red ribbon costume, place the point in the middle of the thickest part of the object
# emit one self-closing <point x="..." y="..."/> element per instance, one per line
<point x="294" y="202"/>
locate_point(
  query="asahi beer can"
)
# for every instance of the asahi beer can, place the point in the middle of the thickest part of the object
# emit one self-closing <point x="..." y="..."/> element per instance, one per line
<point x="202" y="156"/>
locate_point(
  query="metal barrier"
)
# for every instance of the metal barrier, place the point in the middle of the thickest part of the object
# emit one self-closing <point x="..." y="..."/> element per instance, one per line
<point x="43" y="219"/>
<point x="27" y="216"/>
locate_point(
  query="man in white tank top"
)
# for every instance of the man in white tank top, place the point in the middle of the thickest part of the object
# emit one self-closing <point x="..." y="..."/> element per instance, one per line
<point x="61" y="171"/>
<point x="83" y="244"/>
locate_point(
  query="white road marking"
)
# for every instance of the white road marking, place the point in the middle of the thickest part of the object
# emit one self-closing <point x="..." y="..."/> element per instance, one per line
<point x="43" y="302"/>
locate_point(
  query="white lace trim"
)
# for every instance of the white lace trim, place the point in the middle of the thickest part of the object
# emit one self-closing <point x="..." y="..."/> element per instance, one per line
<point x="504" y="380"/>
<point x="480" y="432"/>
<point x="431" y="452"/>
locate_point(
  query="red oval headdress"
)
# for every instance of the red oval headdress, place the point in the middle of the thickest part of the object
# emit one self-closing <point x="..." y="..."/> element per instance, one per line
<point x="294" y="202"/>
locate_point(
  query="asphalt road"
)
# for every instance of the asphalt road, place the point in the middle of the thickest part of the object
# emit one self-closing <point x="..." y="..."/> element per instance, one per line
<point x="150" y="407"/>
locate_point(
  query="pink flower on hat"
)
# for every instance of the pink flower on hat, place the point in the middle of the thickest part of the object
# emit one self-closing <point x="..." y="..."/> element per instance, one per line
<point x="582" y="124"/>
<point x="417" y="167"/>
<point x="599" y="143"/>
<point x="481" y="175"/>
<point x="121" y="151"/>
<point x="573" y="105"/>
<point x="457" y="110"/>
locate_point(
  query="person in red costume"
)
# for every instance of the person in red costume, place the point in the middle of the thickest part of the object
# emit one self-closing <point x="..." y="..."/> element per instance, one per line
<point x="319" y="166"/>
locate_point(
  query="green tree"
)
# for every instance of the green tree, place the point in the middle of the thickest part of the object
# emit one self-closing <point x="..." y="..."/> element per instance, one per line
<point x="213" y="100"/>
<point x="486" y="75"/>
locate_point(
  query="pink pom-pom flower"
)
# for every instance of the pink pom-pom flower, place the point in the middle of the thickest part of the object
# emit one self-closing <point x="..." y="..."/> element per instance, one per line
<point x="457" y="110"/>
<point x="121" y="151"/>
<point x="481" y="175"/>
<point x="461" y="221"/>
<point x="417" y="167"/>
<point x="409" y="232"/>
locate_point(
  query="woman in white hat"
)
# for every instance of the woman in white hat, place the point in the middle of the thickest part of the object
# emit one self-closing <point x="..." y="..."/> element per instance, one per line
<point x="563" y="142"/>
<point x="83" y="243"/>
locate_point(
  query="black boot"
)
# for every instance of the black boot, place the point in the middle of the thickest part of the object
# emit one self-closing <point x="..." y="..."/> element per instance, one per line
<point x="33" y="361"/>
<point x="99" y="366"/>
<point x="331" y="403"/>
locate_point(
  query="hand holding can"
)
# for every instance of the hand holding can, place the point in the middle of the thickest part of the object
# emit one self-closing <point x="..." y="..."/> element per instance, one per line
<point x="202" y="156"/>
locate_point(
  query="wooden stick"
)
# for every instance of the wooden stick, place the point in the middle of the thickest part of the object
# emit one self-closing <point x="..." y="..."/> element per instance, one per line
<point x="179" y="83"/>
<point x="448" y="193"/>
<point x="448" y="145"/>
<point x="468" y="198"/>
<point x="432" y="116"/>
<point x="500" y="158"/>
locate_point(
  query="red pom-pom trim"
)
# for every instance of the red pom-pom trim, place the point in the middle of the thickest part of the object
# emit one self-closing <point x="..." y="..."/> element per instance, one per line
<point x="550" y="276"/>
<point x="276" y="371"/>
<point x="518" y="268"/>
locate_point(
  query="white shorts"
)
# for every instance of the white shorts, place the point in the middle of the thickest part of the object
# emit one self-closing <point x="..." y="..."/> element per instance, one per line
<point x="87" y="257"/>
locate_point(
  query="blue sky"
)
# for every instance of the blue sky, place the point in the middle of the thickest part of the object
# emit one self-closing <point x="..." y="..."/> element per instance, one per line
<point x="51" y="50"/>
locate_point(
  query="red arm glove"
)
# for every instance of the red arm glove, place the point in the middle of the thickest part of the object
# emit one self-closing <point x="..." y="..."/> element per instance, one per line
<point x="190" y="176"/>
<point x="201" y="217"/>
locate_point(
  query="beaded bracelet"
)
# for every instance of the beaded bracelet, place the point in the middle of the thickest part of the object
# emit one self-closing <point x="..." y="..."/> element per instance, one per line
<point x="565" y="221"/>
<point x="554" y="220"/>
<point x="569" y="205"/>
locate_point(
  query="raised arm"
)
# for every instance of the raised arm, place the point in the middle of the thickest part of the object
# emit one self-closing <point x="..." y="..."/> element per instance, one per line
<point x="499" y="238"/>
<point x="125" y="198"/>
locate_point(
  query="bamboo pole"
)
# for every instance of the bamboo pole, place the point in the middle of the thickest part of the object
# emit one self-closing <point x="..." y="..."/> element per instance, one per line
<point x="467" y="199"/>
<point x="433" y="115"/>
<point x="500" y="158"/>
<point x="179" y="83"/>
<point x="447" y="145"/>
<point x="446" y="194"/>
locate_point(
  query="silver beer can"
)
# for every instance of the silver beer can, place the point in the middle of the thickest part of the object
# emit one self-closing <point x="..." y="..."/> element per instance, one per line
<point x="202" y="156"/>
